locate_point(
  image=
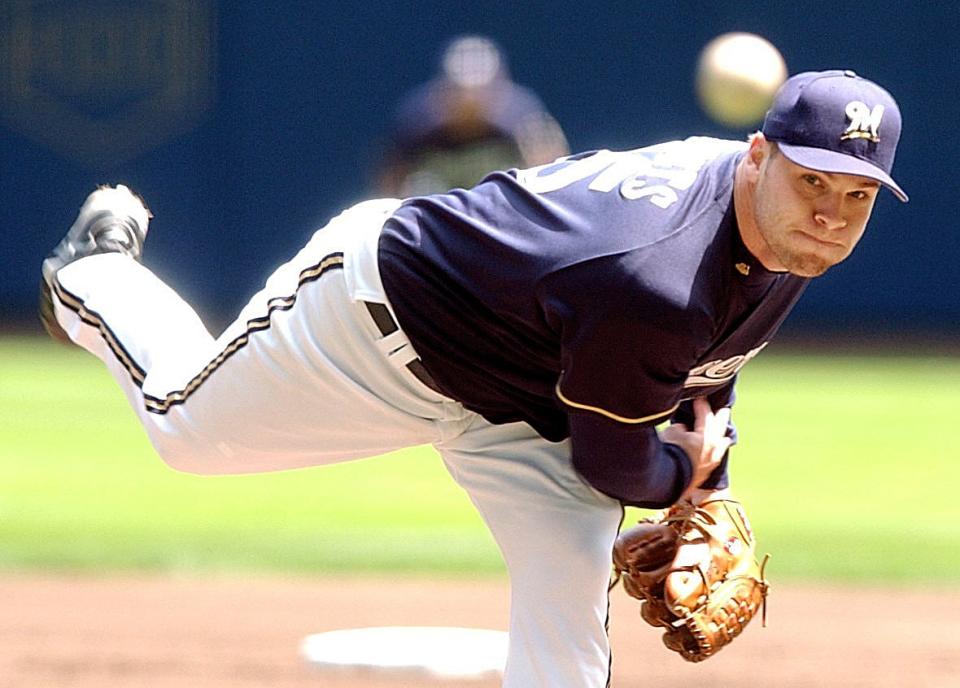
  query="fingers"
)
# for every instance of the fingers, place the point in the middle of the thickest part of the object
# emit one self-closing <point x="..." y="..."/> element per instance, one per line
<point x="705" y="444"/>
<point x="722" y="418"/>
<point x="709" y="428"/>
<point x="716" y="434"/>
<point x="719" y="449"/>
<point x="712" y="427"/>
<point x="713" y="433"/>
<point x="675" y="433"/>
<point x="702" y="414"/>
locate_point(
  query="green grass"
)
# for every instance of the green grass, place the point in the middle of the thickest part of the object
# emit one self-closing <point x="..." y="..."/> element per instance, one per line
<point x="847" y="464"/>
<point x="81" y="488"/>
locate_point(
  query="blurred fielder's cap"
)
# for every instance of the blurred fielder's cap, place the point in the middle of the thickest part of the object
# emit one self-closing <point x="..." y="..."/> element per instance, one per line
<point x="837" y="122"/>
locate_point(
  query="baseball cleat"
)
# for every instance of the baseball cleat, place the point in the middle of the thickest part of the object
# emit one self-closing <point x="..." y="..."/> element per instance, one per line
<point x="111" y="220"/>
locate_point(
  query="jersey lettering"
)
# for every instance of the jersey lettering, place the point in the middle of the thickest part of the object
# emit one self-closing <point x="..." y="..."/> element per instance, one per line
<point x="720" y="371"/>
<point x="641" y="174"/>
<point x="560" y="174"/>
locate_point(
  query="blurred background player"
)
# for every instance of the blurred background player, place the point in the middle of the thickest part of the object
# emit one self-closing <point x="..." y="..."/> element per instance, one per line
<point x="469" y="120"/>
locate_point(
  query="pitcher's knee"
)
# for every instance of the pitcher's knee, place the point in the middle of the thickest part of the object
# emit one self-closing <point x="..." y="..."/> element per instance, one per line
<point x="205" y="456"/>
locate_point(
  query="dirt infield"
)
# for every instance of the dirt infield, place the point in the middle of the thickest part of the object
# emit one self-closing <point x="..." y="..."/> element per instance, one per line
<point x="123" y="632"/>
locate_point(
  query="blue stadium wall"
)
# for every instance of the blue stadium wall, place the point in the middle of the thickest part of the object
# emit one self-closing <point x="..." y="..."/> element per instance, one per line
<point x="247" y="124"/>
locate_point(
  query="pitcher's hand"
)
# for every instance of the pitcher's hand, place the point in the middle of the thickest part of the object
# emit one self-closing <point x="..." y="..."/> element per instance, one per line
<point x="705" y="444"/>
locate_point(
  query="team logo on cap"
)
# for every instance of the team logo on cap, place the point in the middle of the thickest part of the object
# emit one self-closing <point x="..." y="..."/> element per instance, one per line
<point x="864" y="122"/>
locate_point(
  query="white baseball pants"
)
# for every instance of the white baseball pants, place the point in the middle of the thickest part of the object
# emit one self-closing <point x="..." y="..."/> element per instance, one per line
<point x="304" y="377"/>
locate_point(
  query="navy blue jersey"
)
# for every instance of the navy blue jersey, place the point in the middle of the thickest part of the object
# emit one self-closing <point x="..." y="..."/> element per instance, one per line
<point x="590" y="298"/>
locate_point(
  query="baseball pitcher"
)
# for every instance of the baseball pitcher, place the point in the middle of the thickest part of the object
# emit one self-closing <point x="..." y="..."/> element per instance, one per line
<point x="536" y="329"/>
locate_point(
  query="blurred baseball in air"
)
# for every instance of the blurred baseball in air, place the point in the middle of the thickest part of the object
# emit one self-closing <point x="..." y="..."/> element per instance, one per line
<point x="737" y="77"/>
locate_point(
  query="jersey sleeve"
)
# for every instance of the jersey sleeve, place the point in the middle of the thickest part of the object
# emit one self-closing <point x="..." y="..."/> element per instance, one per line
<point x="628" y="462"/>
<point x="631" y="464"/>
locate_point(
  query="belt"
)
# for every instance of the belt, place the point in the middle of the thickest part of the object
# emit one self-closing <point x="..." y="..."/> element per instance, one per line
<point x="387" y="326"/>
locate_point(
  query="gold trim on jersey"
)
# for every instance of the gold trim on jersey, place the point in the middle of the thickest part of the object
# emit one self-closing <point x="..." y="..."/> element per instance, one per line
<point x="609" y="414"/>
<point x="161" y="406"/>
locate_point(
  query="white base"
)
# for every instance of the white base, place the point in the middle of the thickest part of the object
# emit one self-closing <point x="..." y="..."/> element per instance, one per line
<point x="438" y="651"/>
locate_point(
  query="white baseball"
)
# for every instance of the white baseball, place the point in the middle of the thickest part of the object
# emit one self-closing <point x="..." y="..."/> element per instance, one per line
<point x="737" y="77"/>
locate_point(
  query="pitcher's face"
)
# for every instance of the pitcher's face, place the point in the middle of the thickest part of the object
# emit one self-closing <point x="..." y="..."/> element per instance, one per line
<point x="810" y="220"/>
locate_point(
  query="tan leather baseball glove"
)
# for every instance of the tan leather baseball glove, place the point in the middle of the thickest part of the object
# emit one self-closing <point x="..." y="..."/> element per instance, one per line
<point x="695" y="570"/>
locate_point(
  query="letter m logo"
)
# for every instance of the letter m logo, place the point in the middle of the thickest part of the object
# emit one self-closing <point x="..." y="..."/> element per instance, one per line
<point x="864" y="122"/>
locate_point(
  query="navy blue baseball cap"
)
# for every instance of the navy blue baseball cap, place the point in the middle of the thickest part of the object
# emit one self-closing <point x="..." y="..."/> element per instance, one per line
<point x="837" y="122"/>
